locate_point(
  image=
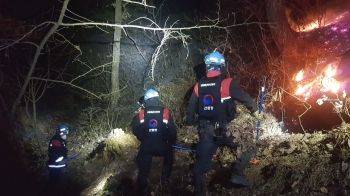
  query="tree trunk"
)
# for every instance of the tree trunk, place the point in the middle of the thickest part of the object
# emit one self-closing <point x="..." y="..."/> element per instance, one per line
<point x="116" y="56"/>
<point x="285" y="38"/>
<point x="282" y="33"/>
<point x="35" y="126"/>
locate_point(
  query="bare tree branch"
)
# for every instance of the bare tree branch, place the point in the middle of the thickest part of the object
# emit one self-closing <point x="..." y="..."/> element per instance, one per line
<point x="143" y="3"/>
<point x="37" y="54"/>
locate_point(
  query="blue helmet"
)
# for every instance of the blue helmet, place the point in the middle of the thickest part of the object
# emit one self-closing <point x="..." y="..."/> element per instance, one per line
<point x="215" y="58"/>
<point x="151" y="93"/>
<point x="214" y="61"/>
<point x="62" y="130"/>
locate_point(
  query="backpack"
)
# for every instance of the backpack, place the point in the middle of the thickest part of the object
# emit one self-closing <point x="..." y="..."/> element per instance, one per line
<point x="153" y="116"/>
<point x="209" y="97"/>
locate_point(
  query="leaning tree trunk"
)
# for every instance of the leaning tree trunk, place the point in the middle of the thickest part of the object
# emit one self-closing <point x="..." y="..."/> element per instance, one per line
<point x="284" y="37"/>
<point x="116" y="56"/>
<point x="282" y="33"/>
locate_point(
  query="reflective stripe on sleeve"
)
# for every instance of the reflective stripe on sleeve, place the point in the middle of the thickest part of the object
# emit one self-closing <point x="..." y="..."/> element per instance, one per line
<point x="165" y="116"/>
<point x="57" y="166"/>
<point x="142" y="116"/>
<point x="225" y="98"/>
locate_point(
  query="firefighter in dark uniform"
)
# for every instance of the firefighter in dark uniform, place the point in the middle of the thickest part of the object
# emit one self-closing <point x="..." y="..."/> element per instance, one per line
<point x="156" y="130"/>
<point x="213" y="100"/>
<point x="57" y="152"/>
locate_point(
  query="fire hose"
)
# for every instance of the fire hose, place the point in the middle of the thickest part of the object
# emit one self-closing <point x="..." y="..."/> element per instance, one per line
<point x="72" y="157"/>
<point x="184" y="149"/>
<point x="189" y="150"/>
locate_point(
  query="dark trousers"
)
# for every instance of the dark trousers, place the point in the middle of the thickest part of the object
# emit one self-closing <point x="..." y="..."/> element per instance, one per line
<point x="53" y="183"/>
<point x="206" y="148"/>
<point x="54" y="175"/>
<point x="144" y="161"/>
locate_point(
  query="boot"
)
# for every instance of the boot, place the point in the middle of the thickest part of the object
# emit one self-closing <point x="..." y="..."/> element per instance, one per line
<point x="165" y="182"/>
<point x="166" y="171"/>
<point x="237" y="179"/>
<point x="141" y="187"/>
<point x="165" y="185"/>
<point x="240" y="165"/>
<point x="199" y="185"/>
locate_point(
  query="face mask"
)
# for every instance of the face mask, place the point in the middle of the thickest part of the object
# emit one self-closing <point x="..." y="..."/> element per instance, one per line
<point x="64" y="137"/>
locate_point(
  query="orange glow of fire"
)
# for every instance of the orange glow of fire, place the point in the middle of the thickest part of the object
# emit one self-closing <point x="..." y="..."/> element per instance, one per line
<point x="299" y="76"/>
<point x="330" y="71"/>
<point x="324" y="83"/>
<point x="310" y="26"/>
<point x="340" y="16"/>
<point x="329" y="84"/>
<point x="305" y="89"/>
<point x="315" y="24"/>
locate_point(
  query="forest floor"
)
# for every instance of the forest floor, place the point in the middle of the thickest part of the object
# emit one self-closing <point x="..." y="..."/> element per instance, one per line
<point x="291" y="164"/>
<point x="301" y="164"/>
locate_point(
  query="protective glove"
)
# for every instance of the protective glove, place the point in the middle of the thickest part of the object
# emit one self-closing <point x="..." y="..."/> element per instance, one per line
<point x="257" y="115"/>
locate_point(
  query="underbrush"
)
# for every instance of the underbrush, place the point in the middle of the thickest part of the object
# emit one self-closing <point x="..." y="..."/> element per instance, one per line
<point x="291" y="164"/>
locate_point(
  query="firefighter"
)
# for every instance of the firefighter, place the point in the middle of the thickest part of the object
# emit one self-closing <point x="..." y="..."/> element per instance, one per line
<point x="156" y="130"/>
<point x="57" y="152"/>
<point x="213" y="100"/>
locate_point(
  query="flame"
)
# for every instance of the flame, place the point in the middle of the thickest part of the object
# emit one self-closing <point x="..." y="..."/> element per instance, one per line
<point x="310" y="26"/>
<point x="299" y="76"/>
<point x="329" y="84"/>
<point x="305" y="89"/>
<point x="330" y="71"/>
<point x="324" y="83"/>
<point x="316" y="24"/>
<point x="300" y="90"/>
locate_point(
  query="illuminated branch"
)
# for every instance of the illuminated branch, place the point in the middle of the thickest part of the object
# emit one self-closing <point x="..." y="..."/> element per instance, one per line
<point x="216" y="25"/>
<point x="143" y="3"/>
<point x="160" y="49"/>
<point x="37" y="54"/>
<point x="170" y="32"/>
<point x="68" y="83"/>
<point x="91" y="70"/>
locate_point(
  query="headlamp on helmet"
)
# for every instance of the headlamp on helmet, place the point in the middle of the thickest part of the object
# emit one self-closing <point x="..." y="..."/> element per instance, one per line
<point x="63" y="130"/>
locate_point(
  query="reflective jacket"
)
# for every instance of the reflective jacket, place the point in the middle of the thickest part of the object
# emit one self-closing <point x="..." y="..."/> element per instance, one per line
<point x="154" y="126"/>
<point x="57" y="152"/>
<point x="230" y="91"/>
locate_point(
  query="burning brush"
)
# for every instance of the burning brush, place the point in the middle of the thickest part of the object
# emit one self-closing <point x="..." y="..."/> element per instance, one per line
<point x="324" y="83"/>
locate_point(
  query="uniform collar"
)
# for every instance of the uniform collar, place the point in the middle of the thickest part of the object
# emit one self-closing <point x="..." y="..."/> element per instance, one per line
<point x="152" y="102"/>
<point x="214" y="73"/>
